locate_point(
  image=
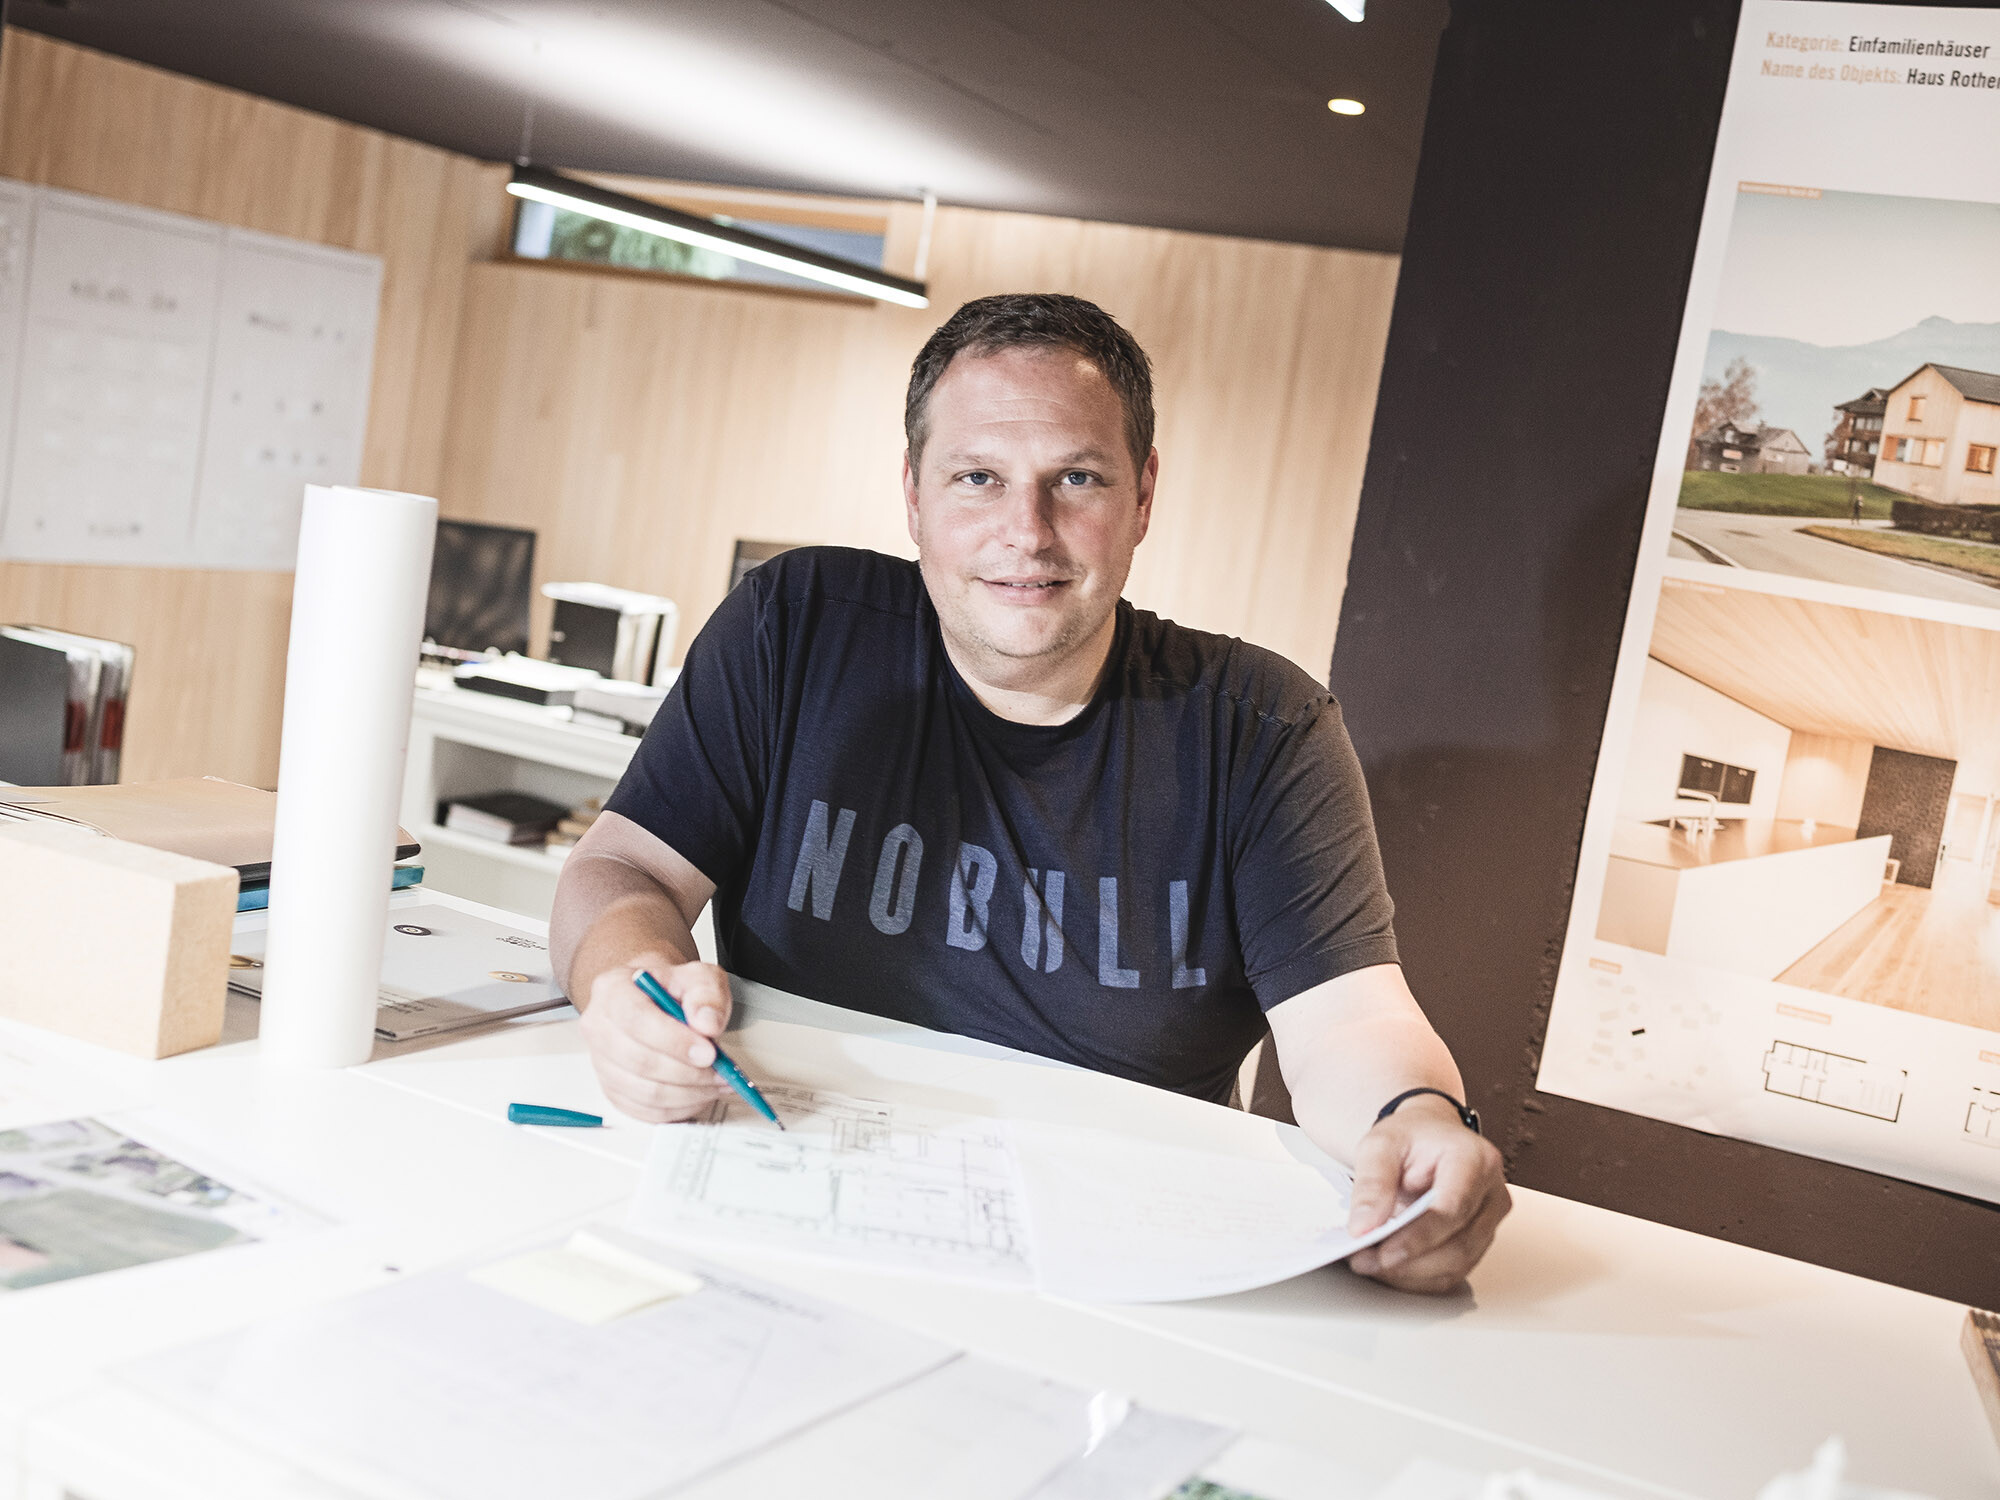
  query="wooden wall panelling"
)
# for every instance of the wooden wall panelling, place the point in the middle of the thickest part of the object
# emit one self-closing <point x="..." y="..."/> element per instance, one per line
<point x="209" y="677"/>
<point x="642" y="425"/>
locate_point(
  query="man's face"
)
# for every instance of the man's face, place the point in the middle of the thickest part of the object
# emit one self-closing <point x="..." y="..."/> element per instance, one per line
<point x="1025" y="506"/>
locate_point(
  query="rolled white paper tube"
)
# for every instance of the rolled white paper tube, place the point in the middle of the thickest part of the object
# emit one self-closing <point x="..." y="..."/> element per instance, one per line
<point x="357" y="627"/>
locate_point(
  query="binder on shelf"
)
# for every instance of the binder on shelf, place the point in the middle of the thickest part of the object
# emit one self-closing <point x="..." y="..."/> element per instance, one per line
<point x="503" y="817"/>
<point x="78" y="740"/>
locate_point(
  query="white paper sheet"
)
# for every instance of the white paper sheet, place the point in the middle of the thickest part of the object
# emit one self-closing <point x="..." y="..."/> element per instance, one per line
<point x="1143" y="1455"/>
<point x="853" y="1180"/>
<point x="1118" y="1219"/>
<point x="972" y="1430"/>
<point x="1079" y="1213"/>
<point x="440" y="1387"/>
<point x="979" y="1430"/>
<point x="441" y="969"/>
<point x="38" y="1082"/>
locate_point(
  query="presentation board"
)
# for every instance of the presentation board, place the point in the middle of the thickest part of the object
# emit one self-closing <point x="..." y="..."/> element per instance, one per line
<point x="172" y="385"/>
<point x="1786" y="919"/>
<point x="17" y="206"/>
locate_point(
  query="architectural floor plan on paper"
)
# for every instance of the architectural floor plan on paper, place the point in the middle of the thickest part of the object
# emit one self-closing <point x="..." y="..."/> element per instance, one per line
<point x="848" y="1178"/>
<point x="1821" y="1077"/>
<point x="1982" y="1117"/>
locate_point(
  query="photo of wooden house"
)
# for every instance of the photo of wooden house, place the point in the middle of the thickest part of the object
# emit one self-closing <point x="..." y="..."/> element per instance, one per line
<point x="1940" y="434"/>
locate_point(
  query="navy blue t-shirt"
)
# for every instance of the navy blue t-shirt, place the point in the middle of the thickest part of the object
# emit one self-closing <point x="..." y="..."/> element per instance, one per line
<point x="1128" y="891"/>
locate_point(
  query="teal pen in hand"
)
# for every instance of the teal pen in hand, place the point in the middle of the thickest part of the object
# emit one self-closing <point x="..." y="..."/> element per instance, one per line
<point x="732" y="1075"/>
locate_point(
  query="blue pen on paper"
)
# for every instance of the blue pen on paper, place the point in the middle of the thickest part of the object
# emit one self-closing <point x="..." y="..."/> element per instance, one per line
<point x="731" y="1074"/>
<point x="548" y="1114"/>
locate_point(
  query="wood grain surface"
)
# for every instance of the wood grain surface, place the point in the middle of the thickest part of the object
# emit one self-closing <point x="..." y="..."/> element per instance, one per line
<point x="642" y="425"/>
<point x="208" y="681"/>
<point x="1851" y="674"/>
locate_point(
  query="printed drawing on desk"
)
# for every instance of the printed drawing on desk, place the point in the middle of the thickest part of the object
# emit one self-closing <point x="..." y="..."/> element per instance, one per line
<point x="78" y="1197"/>
<point x="848" y="1179"/>
<point x="1082" y="1213"/>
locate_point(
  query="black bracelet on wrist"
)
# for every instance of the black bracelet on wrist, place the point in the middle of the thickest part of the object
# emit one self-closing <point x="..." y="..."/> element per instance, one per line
<point x="1466" y="1112"/>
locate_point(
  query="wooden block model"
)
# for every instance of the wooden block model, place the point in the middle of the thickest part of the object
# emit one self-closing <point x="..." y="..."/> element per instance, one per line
<point x="111" y="942"/>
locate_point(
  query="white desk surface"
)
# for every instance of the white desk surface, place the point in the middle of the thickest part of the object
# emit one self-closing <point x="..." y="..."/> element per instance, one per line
<point x="1595" y="1348"/>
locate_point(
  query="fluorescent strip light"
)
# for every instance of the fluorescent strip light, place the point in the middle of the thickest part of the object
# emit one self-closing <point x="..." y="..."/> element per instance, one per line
<point x="540" y="185"/>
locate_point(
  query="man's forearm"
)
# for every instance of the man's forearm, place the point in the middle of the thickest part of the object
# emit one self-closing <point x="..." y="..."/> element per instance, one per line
<point x="1350" y="1046"/>
<point x="606" y="913"/>
<point x="1336" y="1100"/>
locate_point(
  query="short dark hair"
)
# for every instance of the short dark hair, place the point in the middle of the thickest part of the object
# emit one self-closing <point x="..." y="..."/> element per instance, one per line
<point x="1031" y="320"/>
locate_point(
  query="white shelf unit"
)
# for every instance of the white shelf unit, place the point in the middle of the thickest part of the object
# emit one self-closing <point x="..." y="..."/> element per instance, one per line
<point x="464" y="743"/>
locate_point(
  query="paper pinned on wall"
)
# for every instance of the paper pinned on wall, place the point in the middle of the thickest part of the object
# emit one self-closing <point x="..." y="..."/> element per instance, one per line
<point x="172" y="384"/>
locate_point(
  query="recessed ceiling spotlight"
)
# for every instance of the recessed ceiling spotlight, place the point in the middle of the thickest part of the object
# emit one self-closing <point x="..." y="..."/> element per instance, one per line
<point x="1346" y="106"/>
<point x="1351" y="9"/>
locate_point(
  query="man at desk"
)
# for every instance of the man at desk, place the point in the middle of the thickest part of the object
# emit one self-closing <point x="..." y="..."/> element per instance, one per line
<point x="982" y="793"/>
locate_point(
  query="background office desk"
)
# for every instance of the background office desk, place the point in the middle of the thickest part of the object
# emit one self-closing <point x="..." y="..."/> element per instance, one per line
<point x="1595" y="1348"/>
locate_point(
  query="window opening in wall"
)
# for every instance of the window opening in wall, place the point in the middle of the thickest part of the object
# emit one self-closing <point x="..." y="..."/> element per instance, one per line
<point x="1917" y="408"/>
<point x="1979" y="458"/>
<point x="544" y="232"/>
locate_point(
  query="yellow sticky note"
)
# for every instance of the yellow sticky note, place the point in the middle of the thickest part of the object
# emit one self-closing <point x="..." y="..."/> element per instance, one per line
<point x="573" y="1281"/>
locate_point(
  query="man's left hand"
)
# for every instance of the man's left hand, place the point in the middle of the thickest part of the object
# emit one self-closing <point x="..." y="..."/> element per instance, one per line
<point x="1425" y="1145"/>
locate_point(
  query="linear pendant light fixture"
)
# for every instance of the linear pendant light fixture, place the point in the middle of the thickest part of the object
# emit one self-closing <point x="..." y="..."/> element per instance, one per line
<point x="540" y="185"/>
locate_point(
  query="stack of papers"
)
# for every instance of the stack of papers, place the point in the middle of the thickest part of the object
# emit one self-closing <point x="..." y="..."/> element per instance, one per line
<point x="442" y="969"/>
<point x="600" y="1369"/>
<point x="525" y="678"/>
<point x="1077" y="1213"/>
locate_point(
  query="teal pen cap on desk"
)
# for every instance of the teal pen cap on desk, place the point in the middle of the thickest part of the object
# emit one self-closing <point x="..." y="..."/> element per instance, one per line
<point x="548" y="1114"/>
<point x="731" y="1074"/>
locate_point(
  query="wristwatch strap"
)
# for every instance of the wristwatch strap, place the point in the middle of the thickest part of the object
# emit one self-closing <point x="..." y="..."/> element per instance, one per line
<point x="1465" y="1111"/>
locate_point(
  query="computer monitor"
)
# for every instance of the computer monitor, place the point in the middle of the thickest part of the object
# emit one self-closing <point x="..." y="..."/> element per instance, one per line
<point x="750" y="554"/>
<point x="481" y="579"/>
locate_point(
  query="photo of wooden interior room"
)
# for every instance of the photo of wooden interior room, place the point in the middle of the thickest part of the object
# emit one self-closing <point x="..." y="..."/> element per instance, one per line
<point x="1812" y="796"/>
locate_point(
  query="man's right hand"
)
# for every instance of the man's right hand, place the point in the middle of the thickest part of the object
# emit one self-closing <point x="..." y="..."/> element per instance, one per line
<point x="651" y="1066"/>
